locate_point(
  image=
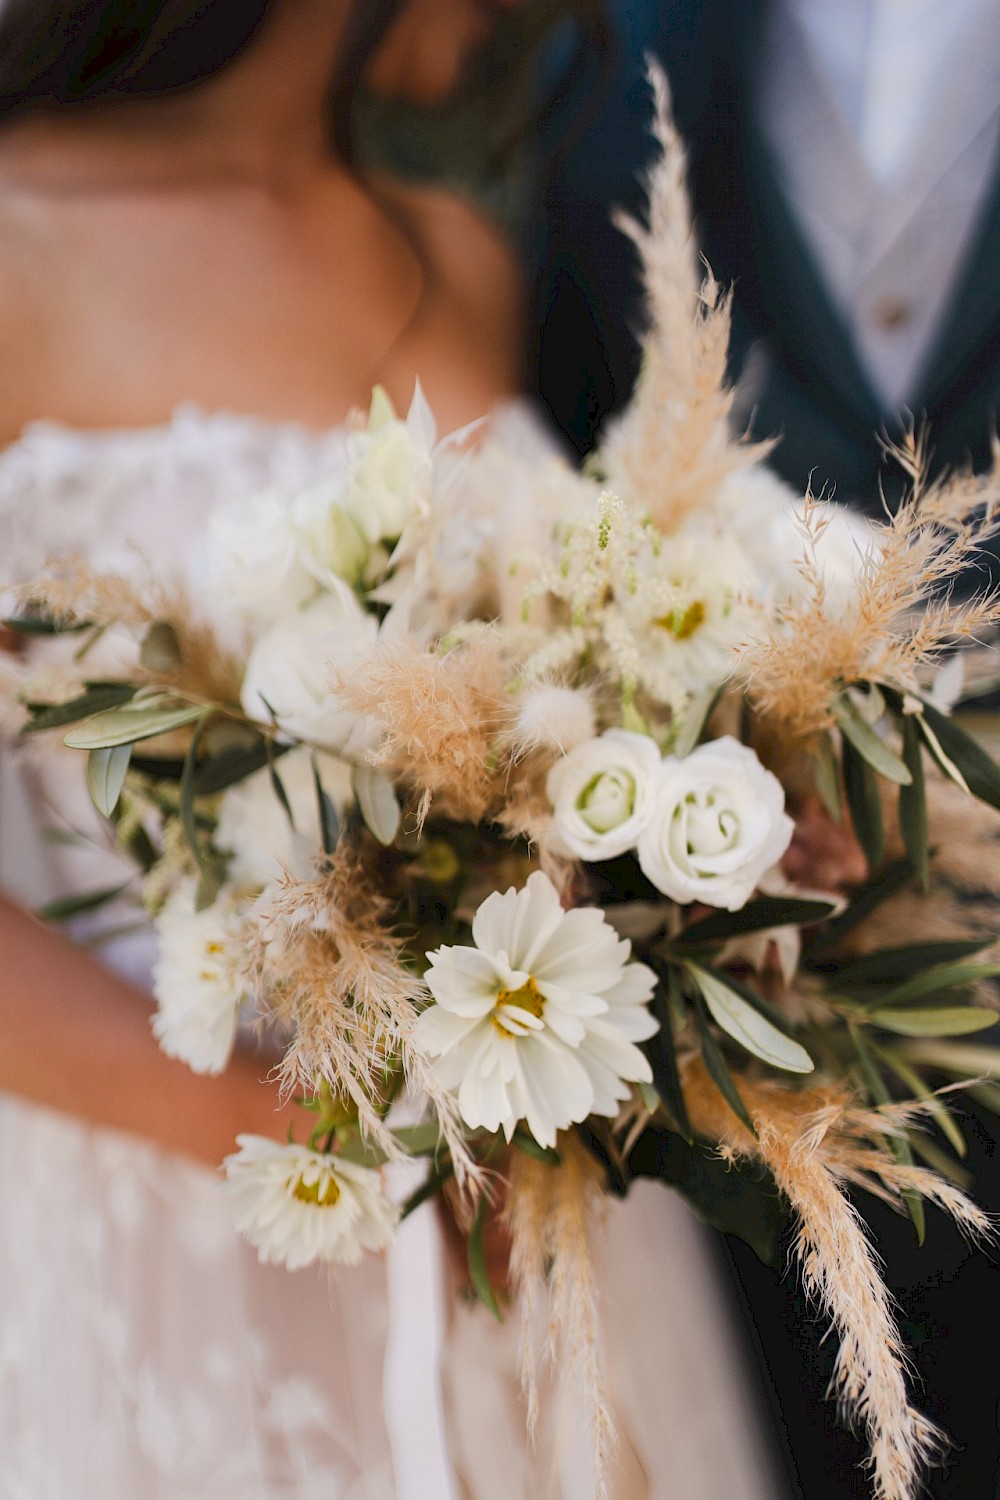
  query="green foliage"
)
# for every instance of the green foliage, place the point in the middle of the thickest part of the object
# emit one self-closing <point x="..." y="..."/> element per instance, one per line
<point x="107" y="768"/>
<point x="478" y="1274"/>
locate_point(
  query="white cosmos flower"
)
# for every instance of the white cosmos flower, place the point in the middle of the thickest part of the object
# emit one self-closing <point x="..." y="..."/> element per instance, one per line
<point x="289" y="669"/>
<point x="198" y="979"/>
<point x="254" y="827"/>
<point x="253" y="560"/>
<point x="539" y="1020"/>
<point x="718" y="823"/>
<point x="602" y="794"/>
<point x="297" y="1206"/>
<point x="689" y="613"/>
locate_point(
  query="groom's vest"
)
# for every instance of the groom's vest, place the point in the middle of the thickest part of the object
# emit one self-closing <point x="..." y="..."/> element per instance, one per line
<point x="806" y="382"/>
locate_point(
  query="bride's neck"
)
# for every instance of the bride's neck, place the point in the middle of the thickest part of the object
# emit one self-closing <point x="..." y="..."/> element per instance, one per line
<point x="264" y="119"/>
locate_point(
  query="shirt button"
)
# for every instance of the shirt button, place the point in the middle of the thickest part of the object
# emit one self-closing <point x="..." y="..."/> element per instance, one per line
<point x="890" y="313"/>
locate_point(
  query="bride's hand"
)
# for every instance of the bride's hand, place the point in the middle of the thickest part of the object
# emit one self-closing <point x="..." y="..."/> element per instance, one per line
<point x="76" y="1037"/>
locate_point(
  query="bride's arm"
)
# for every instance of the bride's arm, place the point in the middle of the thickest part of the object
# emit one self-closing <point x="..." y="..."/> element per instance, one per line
<point x="76" y="1037"/>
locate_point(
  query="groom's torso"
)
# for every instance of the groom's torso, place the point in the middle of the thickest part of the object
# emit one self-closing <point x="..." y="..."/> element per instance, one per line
<point x="859" y="290"/>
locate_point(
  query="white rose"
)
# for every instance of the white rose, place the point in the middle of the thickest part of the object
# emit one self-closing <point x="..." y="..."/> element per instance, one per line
<point x="390" y="468"/>
<point x="253" y="564"/>
<point x="330" y="541"/>
<point x="290" y="666"/>
<point x="602" y="794"/>
<point x="718" y="822"/>
<point x="255" y="829"/>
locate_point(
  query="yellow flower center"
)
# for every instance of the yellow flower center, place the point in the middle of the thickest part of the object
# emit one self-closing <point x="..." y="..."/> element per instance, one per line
<point x="323" y="1193"/>
<point x="528" y="998"/>
<point x="682" y="623"/>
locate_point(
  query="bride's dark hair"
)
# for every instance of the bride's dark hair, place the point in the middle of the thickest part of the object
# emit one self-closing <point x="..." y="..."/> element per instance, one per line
<point x="62" y="53"/>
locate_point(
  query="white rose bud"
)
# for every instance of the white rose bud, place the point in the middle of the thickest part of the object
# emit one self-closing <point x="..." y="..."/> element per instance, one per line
<point x="602" y="794"/>
<point x="290" y="666"/>
<point x="718" y="822"/>
<point x="252" y="559"/>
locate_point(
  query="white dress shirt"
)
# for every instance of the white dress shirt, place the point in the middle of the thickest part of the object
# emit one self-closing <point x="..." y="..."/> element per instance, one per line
<point x="884" y="120"/>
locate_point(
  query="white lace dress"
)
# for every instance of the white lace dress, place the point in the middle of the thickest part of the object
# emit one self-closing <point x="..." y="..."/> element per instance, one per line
<point x="144" y="1353"/>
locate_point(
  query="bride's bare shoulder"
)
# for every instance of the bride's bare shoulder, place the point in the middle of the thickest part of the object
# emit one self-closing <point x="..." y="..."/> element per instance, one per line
<point x="473" y="282"/>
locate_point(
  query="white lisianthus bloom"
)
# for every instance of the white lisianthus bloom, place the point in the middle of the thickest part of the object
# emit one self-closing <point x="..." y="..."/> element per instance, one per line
<point x="253" y="564"/>
<point x="298" y="1206"/>
<point x="718" y="823"/>
<point x="254" y="827"/>
<point x="539" y="1020"/>
<point x="390" y="467"/>
<point x="198" y="979"/>
<point x="602" y="794"/>
<point x="290" y="665"/>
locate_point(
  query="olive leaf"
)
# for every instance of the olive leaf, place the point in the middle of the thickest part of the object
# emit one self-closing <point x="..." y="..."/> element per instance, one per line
<point x="745" y="1025"/>
<point x="106" y="770"/>
<point x="377" y="801"/>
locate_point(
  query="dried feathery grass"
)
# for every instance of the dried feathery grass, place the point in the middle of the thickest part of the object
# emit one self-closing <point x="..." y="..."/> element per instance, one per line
<point x="815" y="1144"/>
<point x="440" y="716"/>
<point x="672" y="449"/>
<point x="72" y="591"/>
<point x="905" y="612"/>
<point x="327" y="969"/>
<point x="549" y="1211"/>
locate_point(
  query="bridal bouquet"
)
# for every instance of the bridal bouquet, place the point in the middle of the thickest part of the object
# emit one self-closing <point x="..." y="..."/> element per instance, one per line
<point x="559" y="829"/>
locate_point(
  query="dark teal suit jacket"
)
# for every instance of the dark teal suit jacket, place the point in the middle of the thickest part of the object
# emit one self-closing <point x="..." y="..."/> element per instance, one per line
<point x="818" y="400"/>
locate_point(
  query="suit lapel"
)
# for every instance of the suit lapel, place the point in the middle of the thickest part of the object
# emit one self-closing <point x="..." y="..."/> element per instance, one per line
<point x="792" y="292"/>
<point x="973" y="318"/>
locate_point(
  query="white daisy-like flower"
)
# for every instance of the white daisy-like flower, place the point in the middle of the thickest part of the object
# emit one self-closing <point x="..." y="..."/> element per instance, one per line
<point x="539" y="1020"/>
<point x="198" y="979"/>
<point x="688" y="613"/>
<point x="297" y="1206"/>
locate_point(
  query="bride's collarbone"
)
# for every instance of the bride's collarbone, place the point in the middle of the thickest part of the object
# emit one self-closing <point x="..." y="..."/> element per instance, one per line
<point x="114" y="310"/>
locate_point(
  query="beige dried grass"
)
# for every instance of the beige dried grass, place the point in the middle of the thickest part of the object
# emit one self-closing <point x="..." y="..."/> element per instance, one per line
<point x="672" y="448"/>
<point x="816" y="1144"/>
<point x="328" y="970"/>
<point x="551" y="1211"/>
<point x="71" y="590"/>
<point x="904" y="614"/>
<point x="440" y="716"/>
